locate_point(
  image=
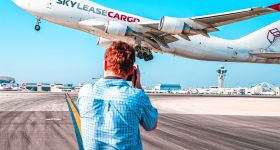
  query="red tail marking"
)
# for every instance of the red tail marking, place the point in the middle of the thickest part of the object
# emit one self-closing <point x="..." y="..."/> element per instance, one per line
<point x="275" y="33"/>
<point x="275" y="7"/>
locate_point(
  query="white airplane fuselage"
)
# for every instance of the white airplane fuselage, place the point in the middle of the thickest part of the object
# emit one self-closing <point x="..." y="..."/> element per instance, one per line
<point x="70" y="13"/>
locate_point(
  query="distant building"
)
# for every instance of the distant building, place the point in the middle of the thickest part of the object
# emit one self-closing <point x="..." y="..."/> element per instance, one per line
<point x="53" y="87"/>
<point x="5" y="80"/>
<point x="260" y="89"/>
<point x="265" y="89"/>
<point x="78" y="88"/>
<point x="166" y="87"/>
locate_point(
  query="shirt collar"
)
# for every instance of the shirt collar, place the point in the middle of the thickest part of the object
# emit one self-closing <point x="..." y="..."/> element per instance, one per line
<point x="113" y="77"/>
<point x="112" y="82"/>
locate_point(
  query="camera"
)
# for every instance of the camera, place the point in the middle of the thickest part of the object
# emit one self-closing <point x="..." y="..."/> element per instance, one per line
<point x="129" y="78"/>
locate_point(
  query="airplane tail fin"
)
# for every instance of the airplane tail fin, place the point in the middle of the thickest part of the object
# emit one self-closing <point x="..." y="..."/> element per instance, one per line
<point x="22" y="85"/>
<point x="264" y="37"/>
<point x="11" y="84"/>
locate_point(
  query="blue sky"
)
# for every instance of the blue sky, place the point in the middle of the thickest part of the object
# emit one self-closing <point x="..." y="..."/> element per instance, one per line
<point x="63" y="55"/>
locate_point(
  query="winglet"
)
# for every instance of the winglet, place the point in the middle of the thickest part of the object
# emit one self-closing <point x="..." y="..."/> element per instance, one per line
<point x="275" y="7"/>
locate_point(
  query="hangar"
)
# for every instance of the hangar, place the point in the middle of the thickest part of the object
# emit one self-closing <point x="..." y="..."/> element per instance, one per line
<point x="6" y="80"/>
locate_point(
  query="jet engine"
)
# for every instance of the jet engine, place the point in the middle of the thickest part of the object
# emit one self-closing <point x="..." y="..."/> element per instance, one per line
<point x="104" y="42"/>
<point x="175" y="26"/>
<point x="119" y="29"/>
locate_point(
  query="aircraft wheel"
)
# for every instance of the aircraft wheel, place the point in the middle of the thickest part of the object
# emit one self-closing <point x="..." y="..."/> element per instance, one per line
<point x="145" y="55"/>
<point x="140" y="55"/>
<point x="138" y="48"/>
<point x="37" y="28"/>
<point x="146" y="59"/>
<point x="151" y="57"/>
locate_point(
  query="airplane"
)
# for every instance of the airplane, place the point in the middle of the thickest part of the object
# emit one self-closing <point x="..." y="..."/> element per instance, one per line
<point x="190" y="91"/>
<point x="10" y="86"/>
<point x="1" y="88"/>
<point x="181" y="92"/>
<point x="31" y="90"/>
<point x="22" y="86"/>
<point x="196" y="91"/>
<point x="184" y="37"/>
<point x="150" y="90"/>
<point x="26" y="90"/>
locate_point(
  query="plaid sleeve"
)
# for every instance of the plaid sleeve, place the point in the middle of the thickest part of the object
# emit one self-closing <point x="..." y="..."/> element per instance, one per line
<point x="149" y="114"/>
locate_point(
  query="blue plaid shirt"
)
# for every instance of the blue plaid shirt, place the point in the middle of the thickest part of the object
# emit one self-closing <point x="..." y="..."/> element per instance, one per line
<point x="111" y="112"/>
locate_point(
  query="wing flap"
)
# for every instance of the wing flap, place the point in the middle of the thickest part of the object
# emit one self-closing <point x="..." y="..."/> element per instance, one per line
<point x="267" y="55"/>
<point x="169" y="38"/>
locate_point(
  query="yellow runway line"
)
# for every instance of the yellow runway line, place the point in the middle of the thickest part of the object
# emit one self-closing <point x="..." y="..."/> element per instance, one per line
<point x="75" y="112"/>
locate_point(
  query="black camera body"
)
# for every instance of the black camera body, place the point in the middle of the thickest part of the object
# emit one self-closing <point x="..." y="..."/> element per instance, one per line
<point x="129" y="78"/>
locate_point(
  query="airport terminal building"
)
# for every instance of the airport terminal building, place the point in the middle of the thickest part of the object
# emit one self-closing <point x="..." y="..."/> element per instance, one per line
<point x="53" y="87"/>
<point x="260" y="89"/>
<point x="166" y="87"/>
<point x="6" y="80"/>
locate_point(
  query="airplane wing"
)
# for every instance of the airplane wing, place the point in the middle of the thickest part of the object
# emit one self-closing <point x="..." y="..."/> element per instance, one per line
<point x="267" y="55"/>
<point x="221" y="19"/>
<point x="209" y="22"/>
<point x="160" y="33"/>
<point x="153" y="37"/>
<point x="203" y="24"/>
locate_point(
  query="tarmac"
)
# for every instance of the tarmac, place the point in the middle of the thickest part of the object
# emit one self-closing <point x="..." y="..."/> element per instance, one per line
<point x="43" y="121"/>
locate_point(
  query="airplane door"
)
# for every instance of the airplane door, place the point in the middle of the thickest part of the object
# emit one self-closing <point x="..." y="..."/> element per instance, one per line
<point x="49" y="4"/>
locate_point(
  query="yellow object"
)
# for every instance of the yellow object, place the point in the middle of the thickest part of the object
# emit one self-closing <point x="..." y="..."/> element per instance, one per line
<point x="75" y="112"/>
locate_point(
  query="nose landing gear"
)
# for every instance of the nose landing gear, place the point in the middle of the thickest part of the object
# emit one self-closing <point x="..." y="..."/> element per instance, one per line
<point x="144" y="53"/>
<point x="37" y="27"/>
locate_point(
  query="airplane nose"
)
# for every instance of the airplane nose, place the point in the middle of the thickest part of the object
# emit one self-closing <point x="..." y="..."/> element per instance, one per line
<point x="21" y="3"/>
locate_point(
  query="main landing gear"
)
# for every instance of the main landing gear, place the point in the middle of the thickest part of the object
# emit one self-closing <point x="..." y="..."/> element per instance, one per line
<point x="37" y="27"/>
<point x="144" y="53"/>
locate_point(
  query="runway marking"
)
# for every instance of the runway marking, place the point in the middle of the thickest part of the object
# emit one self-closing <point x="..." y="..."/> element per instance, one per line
<point x="53" y="119"/>
<point x="76" y="120"/>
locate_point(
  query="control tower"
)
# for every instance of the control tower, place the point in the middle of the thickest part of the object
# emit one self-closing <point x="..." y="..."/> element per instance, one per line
<point x="221" y="73"/>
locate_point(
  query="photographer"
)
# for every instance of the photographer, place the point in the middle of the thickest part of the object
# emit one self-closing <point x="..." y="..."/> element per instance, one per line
<point x="111" y="110"/>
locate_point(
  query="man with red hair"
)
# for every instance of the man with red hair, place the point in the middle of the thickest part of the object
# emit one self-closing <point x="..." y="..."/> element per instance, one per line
<point x="111" y="110"/>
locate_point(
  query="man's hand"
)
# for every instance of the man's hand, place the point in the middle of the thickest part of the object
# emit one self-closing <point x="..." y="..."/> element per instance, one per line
<point x="137" y="83"/>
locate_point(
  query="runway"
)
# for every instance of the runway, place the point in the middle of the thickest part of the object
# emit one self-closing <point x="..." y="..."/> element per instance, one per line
<point x="43" y="121"/>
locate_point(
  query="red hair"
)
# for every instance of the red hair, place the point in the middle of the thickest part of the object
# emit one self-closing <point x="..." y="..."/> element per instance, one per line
<point x="120" y="58"/>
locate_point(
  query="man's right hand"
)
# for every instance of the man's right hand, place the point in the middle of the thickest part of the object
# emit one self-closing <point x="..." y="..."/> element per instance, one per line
<point x="137" y="83"/>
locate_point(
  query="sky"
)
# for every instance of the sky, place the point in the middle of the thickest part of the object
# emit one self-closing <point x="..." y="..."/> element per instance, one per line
<point x="58" y="54"/>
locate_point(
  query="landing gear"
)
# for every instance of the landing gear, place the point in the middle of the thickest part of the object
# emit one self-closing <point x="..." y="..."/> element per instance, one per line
<point x="139" y="55"/>
<point x="37" y="27"/>
<point x="146" y="58"/>
<point x="144" y="53"/>
<point x="151" y="57"/>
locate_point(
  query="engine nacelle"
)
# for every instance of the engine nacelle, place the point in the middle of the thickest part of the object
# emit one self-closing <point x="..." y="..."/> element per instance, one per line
<point x="119" y="29"/>
<point x="104" y="42"/>
<point x="175" y="26"/>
